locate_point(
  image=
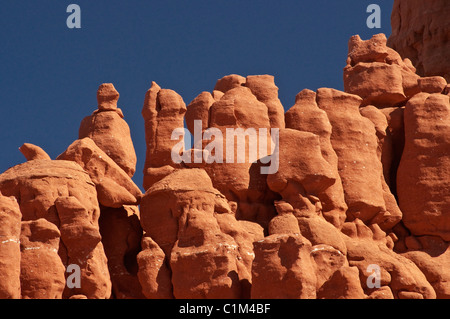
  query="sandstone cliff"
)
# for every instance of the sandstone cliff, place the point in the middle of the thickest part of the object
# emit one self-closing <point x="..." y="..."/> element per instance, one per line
<point x="358" y="206"/>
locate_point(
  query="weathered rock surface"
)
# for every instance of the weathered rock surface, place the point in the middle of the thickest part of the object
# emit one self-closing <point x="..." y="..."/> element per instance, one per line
<point x="423" y="181"/>
<point x="32" y="152"/>
<point x="10" y="228"/>
<point x="355" y="204"/>
<point x="109" y="131"/>
<point x="41" y="268"/>
<point x="63" y="194"/>
<point x="206" y="253"/>
<point x="232" y="172"/>
<point x="355" y="142"/>
<point x="306" y="116"/>
<point x="114" y="187"/>
<point x="163" y="112"/>
<point x="121" y="235"/>
<point x="378" y="74"/>
<point x="420" y="32"/>
<point x="265" y="90"/>
<point x="153" y="273"/>
<point x="283" y="263"/>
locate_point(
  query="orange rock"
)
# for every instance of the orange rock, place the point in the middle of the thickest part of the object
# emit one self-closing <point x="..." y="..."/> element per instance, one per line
<point x="432" y="84"/>
<point x="367" y="247"/>
<point x="10" y="217"/>
<point x="109" y="131"/>
<point x="186" y="228"/>
<point x="327" y="261"/>
<point x="378" y="74"/>
<point x="319" y="232"/>
<point x="306" y="116"/>
<point x="63" y="194"/>
<point x="447" y="90"/>
<point x="283" y="268"/>
<point x="422" y="181"/>
<point x="420" y="33"/>
<point x="242" y="183"/>
<point x="354" y="140"/>
<point x="229" y="82"/>
<point x="343" y="284"/>
<point x="37" y="184"/>
<point x="377" y="83"/>
<point x="265" y="90"/>
<point x="154" y="275"/>
<point x="198" y="110"/>
<point x="41" y="269"/>
<point x="396" y="130"/>
<point x="81" y="236"/>
<point x="107" y="97"/>
<point x="32" y="152"/>
<point x="115" y="188"/>
<point x="284" y="223"/>
<point x="392" y="215"/>
<point x="306" y="168"/>
<point x="163" y="112"/>
<point x="121" y="237"/>
<point x="432" y="256"/>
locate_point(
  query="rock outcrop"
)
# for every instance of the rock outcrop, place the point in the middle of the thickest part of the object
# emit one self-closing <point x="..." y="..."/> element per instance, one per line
<point x="423" y="181"/>
<point x="107" y="128"/>
<point x="420" y="32"/>
<point x="346" y="195"/>
<point x="41" y="268"/>
<point x="10" y="229"/>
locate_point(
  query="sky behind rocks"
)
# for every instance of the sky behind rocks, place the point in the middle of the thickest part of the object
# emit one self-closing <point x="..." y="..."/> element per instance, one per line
<point x="49" y="74"/>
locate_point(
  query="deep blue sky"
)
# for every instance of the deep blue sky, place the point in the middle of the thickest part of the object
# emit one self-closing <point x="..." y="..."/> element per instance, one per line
<point x="49" y="74"/>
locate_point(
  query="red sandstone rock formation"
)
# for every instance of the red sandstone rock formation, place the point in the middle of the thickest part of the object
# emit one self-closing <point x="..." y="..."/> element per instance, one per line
<point x="109" y="131"/>
<point x="207" y="254"/>
<point x="423" y="181"/>
<point x="306" y="116"/>
<point x="163" y="112"/>
<point x="420" y="32"/>
<point x="41" y="268"/>
<point x="10" y="228"/>
<point x="362" y="183"/>
<point x="114" y="187"/>
<point x="239" y="108"/>
<point x="121" y="235"/>
<point x="377" y="73"/>
<point x="32" y="152"/>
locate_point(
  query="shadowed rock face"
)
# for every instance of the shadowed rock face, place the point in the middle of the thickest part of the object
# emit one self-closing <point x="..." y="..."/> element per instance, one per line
<point x="420" y="32"/>
<point x="358" y="207"/>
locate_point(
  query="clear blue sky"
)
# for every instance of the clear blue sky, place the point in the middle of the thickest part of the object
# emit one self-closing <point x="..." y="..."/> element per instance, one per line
<point x="49" y="74"/>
